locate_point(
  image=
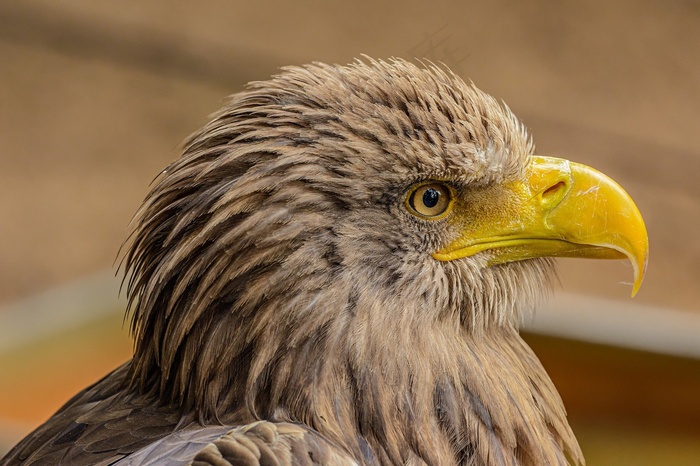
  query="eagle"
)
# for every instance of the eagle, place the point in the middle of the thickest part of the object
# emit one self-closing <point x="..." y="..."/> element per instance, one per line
<point x="333" y="273"/>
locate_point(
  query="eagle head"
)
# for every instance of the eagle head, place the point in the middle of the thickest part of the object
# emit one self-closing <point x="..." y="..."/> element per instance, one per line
<point x="351" y="247"/>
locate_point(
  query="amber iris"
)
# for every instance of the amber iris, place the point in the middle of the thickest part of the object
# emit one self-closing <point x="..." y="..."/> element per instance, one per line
<point x="430" y="200"/>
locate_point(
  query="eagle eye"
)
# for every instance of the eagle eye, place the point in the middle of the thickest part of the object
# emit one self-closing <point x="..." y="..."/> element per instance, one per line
<point x="430" y="200"/>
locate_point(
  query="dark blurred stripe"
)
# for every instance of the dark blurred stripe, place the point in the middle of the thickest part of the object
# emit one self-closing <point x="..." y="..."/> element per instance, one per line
<point x="138" y="47"/>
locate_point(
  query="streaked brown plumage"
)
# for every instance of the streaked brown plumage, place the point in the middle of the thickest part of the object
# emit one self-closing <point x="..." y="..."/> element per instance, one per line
<point x="276" y="274"/>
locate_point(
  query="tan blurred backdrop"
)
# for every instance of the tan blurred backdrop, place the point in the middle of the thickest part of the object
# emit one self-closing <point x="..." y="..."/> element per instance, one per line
<point x="95" y="98"/>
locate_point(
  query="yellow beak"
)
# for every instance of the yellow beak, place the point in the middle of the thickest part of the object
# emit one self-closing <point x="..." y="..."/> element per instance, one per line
<point x="561" y="209"/>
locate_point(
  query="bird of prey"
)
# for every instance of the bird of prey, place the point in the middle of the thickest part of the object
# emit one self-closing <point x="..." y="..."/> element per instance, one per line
<point x="334" y="272"/>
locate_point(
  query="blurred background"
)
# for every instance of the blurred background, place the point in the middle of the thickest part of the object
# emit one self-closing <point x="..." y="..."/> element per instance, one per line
<point x="95" y="98"/>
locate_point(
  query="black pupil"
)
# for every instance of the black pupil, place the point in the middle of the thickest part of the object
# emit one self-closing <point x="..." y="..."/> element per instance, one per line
<point x="431" y="197"/>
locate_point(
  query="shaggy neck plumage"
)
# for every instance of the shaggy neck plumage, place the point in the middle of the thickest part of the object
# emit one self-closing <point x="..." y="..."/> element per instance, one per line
<point x="423" y="391"/>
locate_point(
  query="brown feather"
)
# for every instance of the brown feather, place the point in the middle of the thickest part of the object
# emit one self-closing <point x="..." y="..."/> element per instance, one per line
<point x="274" y="275"/>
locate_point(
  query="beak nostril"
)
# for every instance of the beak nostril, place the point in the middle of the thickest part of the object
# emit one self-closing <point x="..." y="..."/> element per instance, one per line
<point x="553" y="190"/>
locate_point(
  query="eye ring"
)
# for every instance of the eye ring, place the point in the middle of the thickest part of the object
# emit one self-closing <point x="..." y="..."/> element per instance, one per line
<point x="431" y="201"/>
